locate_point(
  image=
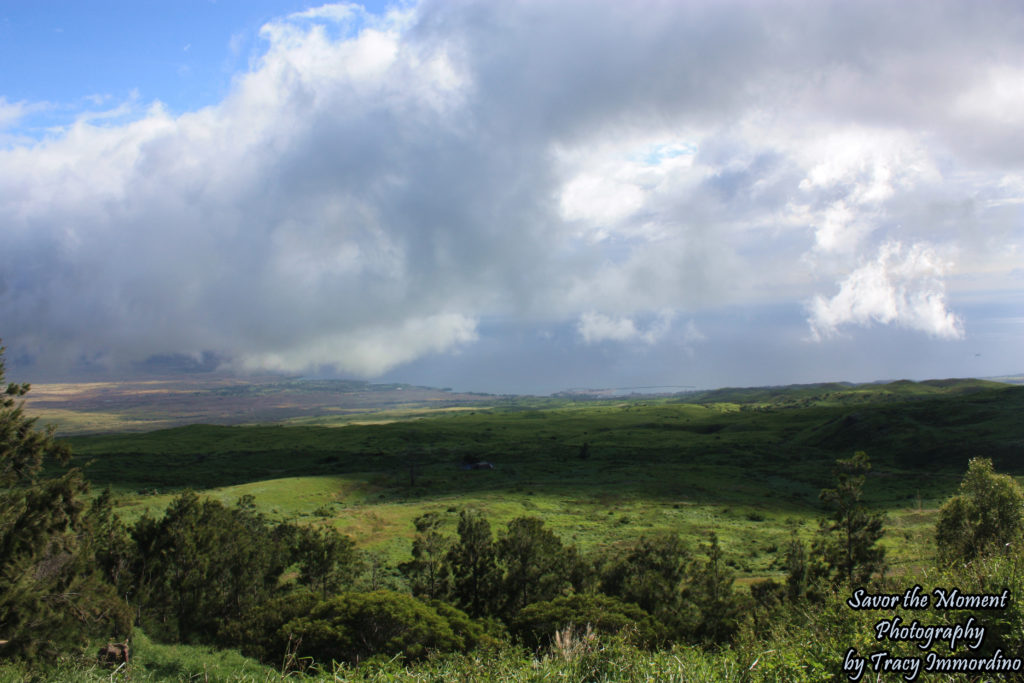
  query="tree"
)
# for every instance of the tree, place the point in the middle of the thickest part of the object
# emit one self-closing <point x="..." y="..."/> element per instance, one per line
<point x="111" y="544"/>
<point x="52" y="595"/>
<point x="653" y="574"/>
<point x="474" y="567"/>
<point x="985" y="517"/>
<point x="848" y="541"/>
<point x="711" y="592"/>
<point x="805" y="572"/>
<point x="535" y="564"/>
<point x="328" y="560"/>
<point x="584" y="453"/>
<point x="427" y="572"/>
<point x="205" y="565"/>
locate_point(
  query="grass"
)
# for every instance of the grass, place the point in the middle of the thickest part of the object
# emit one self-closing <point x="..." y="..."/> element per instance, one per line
<point x="598" y="661"/>
<point x="150" y="662"/>
<point x="746" y="464"/>
<point x="750" y="471"/>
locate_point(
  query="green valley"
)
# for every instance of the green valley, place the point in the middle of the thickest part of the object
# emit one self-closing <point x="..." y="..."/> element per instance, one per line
<point x="604" y="476"/>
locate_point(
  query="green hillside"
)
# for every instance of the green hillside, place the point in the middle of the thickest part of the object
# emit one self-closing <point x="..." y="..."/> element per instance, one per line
<point x="734" y="476"/>
<point x="692" y="463"/>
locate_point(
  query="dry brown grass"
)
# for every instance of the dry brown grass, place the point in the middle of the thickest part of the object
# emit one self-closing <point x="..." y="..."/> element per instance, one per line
<point x="572" y="642"/>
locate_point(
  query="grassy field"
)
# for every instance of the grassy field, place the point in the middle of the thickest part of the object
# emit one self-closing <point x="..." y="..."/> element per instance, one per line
<point x="747" y="464"/>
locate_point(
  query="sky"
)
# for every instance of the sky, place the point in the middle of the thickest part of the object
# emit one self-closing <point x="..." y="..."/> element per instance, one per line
<point x="513" y="197"/>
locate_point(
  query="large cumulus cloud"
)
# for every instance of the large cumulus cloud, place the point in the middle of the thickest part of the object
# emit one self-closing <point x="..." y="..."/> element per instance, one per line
<point x="375" y="186"/>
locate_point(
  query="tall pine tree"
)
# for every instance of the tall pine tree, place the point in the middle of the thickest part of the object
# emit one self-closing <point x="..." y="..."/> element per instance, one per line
<point x="428" y="573"/>
<point x="848" y="541"/>
<point x="474" y="566"/>
<point x="53" y="597"/>
<point x="710" y="590"/>
<point x="535" y="563"/>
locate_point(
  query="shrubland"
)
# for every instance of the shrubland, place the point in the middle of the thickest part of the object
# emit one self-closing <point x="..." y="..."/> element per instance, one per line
<point x="647" y="576"/>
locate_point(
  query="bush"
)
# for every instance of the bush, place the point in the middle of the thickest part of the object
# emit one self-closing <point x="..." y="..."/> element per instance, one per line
<point x="538" y="622"/>
<point x="983" y="518"/>
<point x="256" y="635"/>
<point x="473" y="633"/>
<point x="991" y="575"/>
<point x="353" y="627"/>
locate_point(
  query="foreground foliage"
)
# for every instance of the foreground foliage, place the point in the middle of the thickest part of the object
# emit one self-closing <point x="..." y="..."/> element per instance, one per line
<point x="53" y="597"/>
<point x="516" y="601"/>
<point x="983" y="518"/>
<point x="801" y="644"/>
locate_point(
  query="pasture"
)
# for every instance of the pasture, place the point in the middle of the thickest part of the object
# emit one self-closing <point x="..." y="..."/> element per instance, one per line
<point x="746" y="464"/>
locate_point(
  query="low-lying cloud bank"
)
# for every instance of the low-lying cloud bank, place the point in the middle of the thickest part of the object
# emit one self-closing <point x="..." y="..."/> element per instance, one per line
<point x="376" y="186"/>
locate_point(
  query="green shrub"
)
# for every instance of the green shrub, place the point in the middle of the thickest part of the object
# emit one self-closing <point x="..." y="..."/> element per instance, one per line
<point x="985" y="517"/>
<point x="538" y="622"/>
<point x="991" y="575"/>
<point x="256" y="634"/>
<point x="473" y="633"/>
<point x="353" y="627"/>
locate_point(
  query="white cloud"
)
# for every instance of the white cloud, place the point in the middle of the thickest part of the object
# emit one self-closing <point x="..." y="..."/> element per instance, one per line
<point x="337" y="12"/>
<point x="248" y="228"/>
<point x="600" y="200"/>
<point x="692" y="333"/>
<point x="597" y="327"/>
<point x="374" y="185"/>
<point x="608" y="184"/>
<point x="370" y="352"/>
<point x="853" y="173"/>
<point x="901" y="287"/>
<point x="997" y="96"/>
<point x="10" y="112"/>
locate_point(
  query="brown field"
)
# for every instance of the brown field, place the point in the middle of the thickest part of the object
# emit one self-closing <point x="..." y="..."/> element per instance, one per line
<point x="143" y="405"/>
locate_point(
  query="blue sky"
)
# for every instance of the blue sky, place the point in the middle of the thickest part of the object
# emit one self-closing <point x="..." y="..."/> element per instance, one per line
<point x="517" y="197"/>
<point x="80" y="55"/>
